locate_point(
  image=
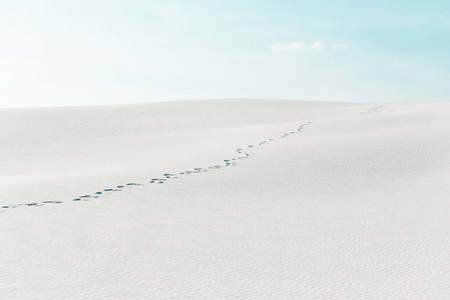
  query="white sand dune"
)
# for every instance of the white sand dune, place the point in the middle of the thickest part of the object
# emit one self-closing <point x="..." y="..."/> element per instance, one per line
<point x="263" y="199"/>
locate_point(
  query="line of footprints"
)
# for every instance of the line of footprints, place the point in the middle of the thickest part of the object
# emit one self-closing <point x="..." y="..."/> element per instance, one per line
<point x="243" y="154"/>
<point x="372" y="110"/>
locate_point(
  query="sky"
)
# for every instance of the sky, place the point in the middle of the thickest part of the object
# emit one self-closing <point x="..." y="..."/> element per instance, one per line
<point x="96" y="52"/>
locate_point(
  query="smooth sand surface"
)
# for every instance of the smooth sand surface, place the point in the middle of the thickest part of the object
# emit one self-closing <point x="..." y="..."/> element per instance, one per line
<point x="226" y="199"/>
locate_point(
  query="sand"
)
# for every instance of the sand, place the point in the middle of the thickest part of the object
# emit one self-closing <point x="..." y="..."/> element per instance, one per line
<point x="226" y="199"/>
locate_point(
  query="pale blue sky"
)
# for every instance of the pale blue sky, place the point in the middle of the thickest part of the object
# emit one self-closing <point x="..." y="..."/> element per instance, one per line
<point x="66" y="52"/>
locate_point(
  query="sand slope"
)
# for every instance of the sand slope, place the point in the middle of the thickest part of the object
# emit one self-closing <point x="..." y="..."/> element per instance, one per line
<point x="262" y="199"/>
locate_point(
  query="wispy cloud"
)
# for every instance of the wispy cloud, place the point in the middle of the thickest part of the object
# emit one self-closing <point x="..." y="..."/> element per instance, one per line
<point x="318" y="46"/>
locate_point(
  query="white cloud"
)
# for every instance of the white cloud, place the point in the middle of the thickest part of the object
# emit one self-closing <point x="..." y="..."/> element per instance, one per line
<point x="318" y="46"/>
<point x="297" y="47"/>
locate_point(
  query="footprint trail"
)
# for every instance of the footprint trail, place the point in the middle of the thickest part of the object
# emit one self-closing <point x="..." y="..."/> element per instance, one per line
<point x="242" y="153"/>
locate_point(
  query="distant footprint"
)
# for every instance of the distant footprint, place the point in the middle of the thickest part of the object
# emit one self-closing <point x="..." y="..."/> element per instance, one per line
<point x="372" y="110"/>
